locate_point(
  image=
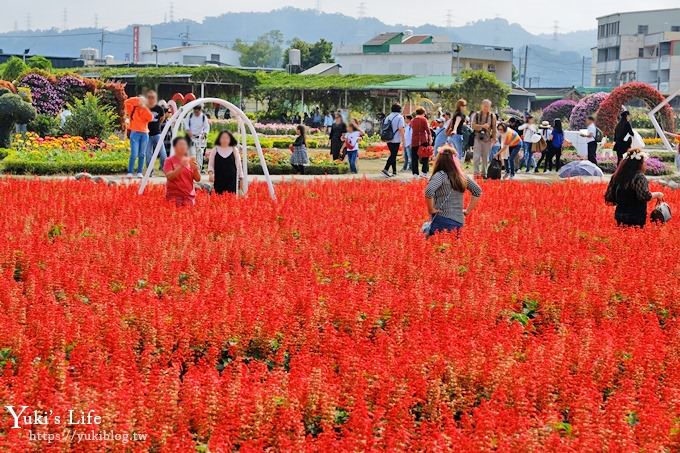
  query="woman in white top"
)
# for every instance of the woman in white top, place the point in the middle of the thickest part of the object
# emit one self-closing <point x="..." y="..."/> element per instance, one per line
<point x="224" y="164"/>
<point x="528" y="130"/>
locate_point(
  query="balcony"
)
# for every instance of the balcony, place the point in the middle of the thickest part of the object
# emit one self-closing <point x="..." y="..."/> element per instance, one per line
<point x="606" y="67"/>
<point x="609" y="41"/>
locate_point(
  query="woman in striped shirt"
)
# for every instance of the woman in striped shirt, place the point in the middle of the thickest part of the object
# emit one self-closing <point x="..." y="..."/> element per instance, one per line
<point x="511" y="144"/>
<point x="445" y="193"/>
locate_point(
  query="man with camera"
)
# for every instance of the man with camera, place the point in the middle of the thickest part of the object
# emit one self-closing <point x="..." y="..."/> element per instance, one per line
<point x="483" y="124"/>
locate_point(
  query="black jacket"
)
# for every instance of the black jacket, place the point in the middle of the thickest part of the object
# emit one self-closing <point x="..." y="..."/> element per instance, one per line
<point x="622" y="129"/>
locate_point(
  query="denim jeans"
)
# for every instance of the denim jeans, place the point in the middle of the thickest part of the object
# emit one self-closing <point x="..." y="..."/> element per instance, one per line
<point x="162" y="155"/>
<point x="138" y="143"/>
<point x="514" y="151"/>
<point x="528" y="160"/>
<point x="441" y="223"/>
<point x="457" y="141"/>
<point x="352" y="157"/>
<point x="407" y="158"/>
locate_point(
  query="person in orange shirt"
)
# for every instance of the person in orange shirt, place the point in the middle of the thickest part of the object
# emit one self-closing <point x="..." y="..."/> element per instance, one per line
<point x="139" y="116"/>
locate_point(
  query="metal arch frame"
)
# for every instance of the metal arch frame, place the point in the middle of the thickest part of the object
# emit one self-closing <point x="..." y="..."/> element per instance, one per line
<point x="656" y="124"/>
<point x="244" y="122"/>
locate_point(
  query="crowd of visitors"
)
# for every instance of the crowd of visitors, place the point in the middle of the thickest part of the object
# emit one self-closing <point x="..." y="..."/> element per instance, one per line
<point x="496" y="145"/>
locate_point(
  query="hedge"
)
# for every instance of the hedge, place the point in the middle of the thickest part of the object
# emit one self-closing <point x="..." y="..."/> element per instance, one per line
<point x="256" y="169"/>
<point x="21" y="167"/>
<point x="3" y="153"/>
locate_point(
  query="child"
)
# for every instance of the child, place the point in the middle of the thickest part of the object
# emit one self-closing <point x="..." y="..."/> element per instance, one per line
<point x="408" y="134"/>
<point x="299" y="158"/>
<point x="181" y="172"/>
<point x="351" y="145"/>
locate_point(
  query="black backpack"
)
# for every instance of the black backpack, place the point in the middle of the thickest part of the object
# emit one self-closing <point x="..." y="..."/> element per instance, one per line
<point x="495" y="169"/>
<point x="387" y="130"/>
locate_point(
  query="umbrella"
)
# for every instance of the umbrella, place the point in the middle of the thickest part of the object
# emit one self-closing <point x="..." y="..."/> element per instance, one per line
<point x="580" y="168"/>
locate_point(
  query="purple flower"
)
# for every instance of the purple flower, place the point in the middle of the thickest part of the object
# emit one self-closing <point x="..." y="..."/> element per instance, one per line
<point x="558" y="110"/>
<point x="585" y="107"/>
<point x="47" y="99"/>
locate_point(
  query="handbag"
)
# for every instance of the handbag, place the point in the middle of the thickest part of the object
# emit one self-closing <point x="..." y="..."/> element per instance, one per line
<point x="661" y="213"/>
<point x="495" y="170"/>
<point x="425" y="151"/>
<point x="427" y="225"/>
<point x="540" y="146"/>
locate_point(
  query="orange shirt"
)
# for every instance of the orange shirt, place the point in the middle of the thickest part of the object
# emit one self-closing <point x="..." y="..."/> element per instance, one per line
<point x="139" y="116"/>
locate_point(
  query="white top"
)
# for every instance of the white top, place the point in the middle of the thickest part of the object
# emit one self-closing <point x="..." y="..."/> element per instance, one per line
<point x="352" y="140"/>
<point x="592" y="133"/>
<point x="408" y="135"/>
<point x="224" y="153"/>
<point x="397" y="121"/>
<point x="197" y="124"/>
<point x="529" y="131"/>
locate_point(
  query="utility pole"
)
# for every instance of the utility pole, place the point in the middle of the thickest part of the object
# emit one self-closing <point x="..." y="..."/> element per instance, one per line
<point x="519" y="72"/>
<point x="526" y="58"/>
<point x="362" y="10"/>
<point x="449" y="18"/>
<point x="583" y="72"/>
<point x="101" y="46"/>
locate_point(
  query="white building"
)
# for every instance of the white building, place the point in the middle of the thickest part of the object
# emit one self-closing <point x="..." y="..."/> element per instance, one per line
<point x="422" y="55"/>
<point x="191" y="55"/>
<point x="638" y="46"/>
<point x="144" y="52"/>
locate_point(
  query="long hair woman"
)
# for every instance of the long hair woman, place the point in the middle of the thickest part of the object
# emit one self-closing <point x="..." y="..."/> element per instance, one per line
<point x="299" y="159"/>
<point x="628" y="190"/>
<point x="224" y="164"/>
<point x="445" y="192"/>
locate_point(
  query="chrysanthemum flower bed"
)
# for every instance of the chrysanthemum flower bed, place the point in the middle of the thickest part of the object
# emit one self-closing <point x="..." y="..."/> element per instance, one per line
<point x="326" y="322"/>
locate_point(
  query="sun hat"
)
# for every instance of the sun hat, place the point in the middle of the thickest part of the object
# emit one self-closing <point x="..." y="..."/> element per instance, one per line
<point x="544" y="125"/>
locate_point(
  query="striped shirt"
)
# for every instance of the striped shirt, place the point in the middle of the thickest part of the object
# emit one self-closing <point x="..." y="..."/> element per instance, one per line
<point x="512" y="138"/>
<point x="448" y="201"/>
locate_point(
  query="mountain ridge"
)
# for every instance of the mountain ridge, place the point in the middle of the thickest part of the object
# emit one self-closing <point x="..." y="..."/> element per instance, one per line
<point x="554" y="58"/>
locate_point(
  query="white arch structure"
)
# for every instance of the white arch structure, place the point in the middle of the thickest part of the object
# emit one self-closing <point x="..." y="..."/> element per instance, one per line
<point x="244" y="122"/>
<point x="657" y="126"/>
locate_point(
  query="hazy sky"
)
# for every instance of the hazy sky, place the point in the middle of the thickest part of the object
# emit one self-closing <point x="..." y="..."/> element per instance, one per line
<point x="535" y="16"/>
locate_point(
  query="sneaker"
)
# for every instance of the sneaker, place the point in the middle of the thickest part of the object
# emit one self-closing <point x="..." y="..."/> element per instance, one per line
<point x="424" y="176"/>
<point x="129" y="175"/>
<point x="385" y="173"/>
<point x="393" y="175"/>
<point x="139" y="175"/>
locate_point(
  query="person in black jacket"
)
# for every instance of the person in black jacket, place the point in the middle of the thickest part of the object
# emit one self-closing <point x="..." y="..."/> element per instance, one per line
<point x="338" y="129"/>
<point x="628" y="190"/>
<point x="623" y="136"/>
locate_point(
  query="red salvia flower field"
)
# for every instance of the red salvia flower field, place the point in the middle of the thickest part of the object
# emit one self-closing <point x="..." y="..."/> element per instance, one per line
<point x="325" y="321"/>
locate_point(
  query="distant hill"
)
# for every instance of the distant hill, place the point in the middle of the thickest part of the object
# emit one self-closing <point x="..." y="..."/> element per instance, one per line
<point x="554" y="59"/>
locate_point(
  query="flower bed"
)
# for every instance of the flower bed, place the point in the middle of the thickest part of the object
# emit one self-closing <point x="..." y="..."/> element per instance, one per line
<point x="62" y="155"/>
<point x="282" y="142"/>
<point x="608" y="163"/>
<point x="278" y="163"/>
<point x="262" y="128"/>
<point x="325" y="322"/>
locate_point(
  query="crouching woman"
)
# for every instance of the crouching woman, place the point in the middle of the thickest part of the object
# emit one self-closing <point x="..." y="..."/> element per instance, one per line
<point x="445" y="193"/>
<point x="181" y="172"/>
<point x="628" y="190"/>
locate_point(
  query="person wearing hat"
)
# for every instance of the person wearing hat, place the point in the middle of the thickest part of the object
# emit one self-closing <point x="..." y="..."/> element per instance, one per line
<point x="623" y="135"/>
<point x="197" y="127"/>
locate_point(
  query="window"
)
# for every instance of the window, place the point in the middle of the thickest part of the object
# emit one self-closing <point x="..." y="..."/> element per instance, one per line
<point x="675" y="28"/>
<point x="610" y="29"/>
<point x="491" y="68"/>
<point x="665" y="48"/>
<point x="643" y="29"/>
<point x="215" y="57"/>
<point x="641" y="52"/>
<point x="475" y="66"/>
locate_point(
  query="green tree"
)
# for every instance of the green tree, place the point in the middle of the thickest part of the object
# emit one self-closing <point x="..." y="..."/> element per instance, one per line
<point x="13" y="110"/>
<point x="14" y="67"/>
<point x="266" y="51"/>
<point x="475" y="86"/>
<point x="310" y="54"/>
<point x="39" y="62"/>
